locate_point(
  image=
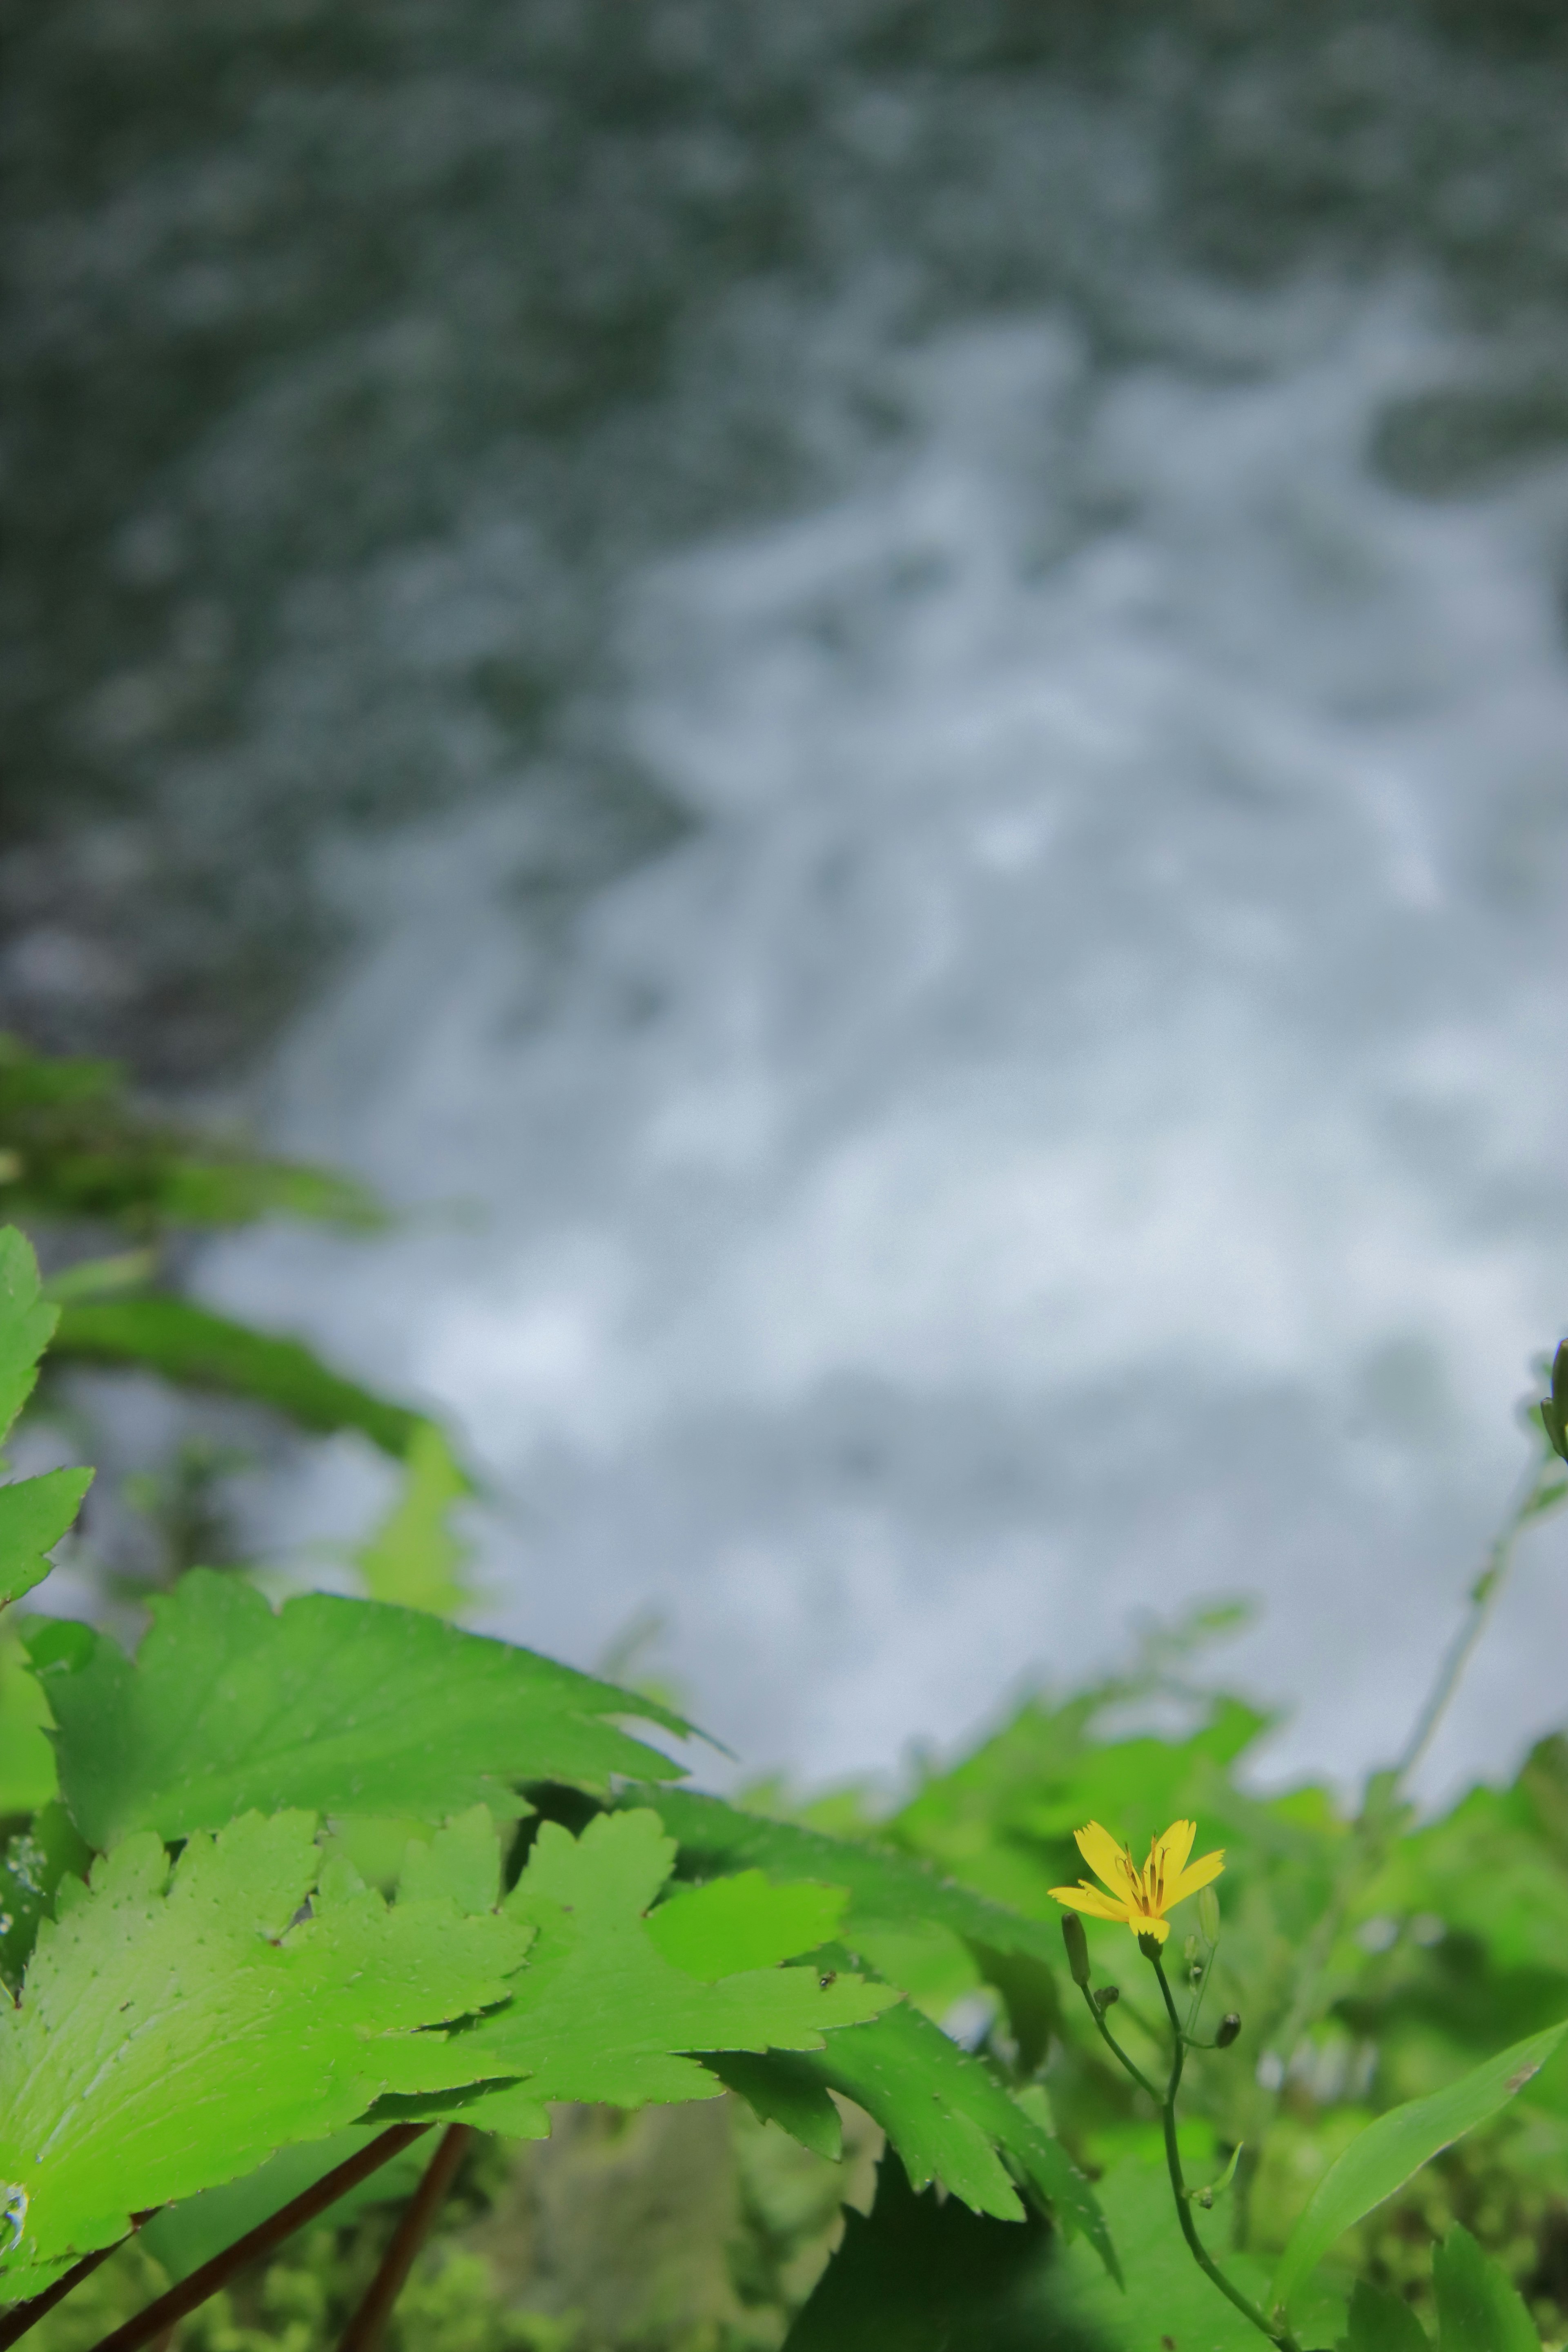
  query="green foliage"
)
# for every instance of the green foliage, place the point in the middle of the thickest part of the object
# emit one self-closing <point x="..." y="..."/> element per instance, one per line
<point x="26" y="1760"/>
<point x="919" y="2274"/>
<point x="73" y="1147"/>
<point x="34" y="1862"/>
<point x="415" y="1558"/>
<point x="1166" y="2299"/>
<point x="745" y="1922"/>
<point x="1380" y="2322"/>
<point x="603" y="2011"/>
<point x="205" y="2030"/>
<point x="176" y="2026"/>
<point x="1554" y="1407"/>
<point x="1383" y="2157"/>
<point x="195" y="1348"/>
<point x="34" y="1513"/>
<point x="77" y="1154"/>
<point x="342" y="1707"/>
<point x="883" y="1888"/>
<point x="950" y="2119"/>
<point x="1477" y="2310"/>
<point x="26" y="1322"/>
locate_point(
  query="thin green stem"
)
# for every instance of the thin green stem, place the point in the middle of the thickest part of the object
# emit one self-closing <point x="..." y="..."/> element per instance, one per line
<point x="1110" y="2042"/>
<point x="1281" y="2336"/>
<point x="1372" y="1832"/>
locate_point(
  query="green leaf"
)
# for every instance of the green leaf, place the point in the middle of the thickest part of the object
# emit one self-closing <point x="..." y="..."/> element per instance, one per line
<point x="26" y="1323"/>
<point x="950" y="2119"/>
<point x="1554" y="1412"/>
<point x="413" y="1558"/>
<point x="343" y="1707"/>
<point x="1383" y="2157"/>
<point x="778" y="2090"/>
<point x="34" y="1513"/>
<point x="461" y="1863"/>
<point x="1383" y="2323"/>
<point x="1167" y="2299"/>
<point x="33" y="1867"/>
<point x="75" y="1146"/>
<point x="195" y="1348"/>
<point x="602" y="2014"/>
<point x="1478" y="2309"/>
<point x="743" y="1922"/>
<point x="917" y="2274"/>
<point x="882" y="1886"/>
<point x="174" y="2028"/>
<point x="26" y="1760"/>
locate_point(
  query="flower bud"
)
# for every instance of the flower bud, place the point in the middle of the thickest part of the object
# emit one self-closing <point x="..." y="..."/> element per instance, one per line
<point x="1105" y="1998"/>
<point x="1208" y="1915"/>
<point x="1076" y="1943"/>
<point x="1228" y="2028"/>
<point x="1190" y="1951"/>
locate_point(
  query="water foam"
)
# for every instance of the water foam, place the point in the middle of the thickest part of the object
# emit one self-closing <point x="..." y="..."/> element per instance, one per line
<point x="1076" y="1125"/>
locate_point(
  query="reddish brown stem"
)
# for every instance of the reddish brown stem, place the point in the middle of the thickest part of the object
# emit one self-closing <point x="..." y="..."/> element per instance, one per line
<point x="365" y="2329"/>
<point x="258" y="2244"/>
<point x="23" y="2315"/>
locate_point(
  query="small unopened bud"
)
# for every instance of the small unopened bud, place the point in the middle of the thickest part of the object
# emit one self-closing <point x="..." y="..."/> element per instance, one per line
<point x="1208" y="1915"/>
<point x="1076" y="1943"/>
<point x="1150" y="1947"/>
<point x="1107" y="1997"/>
<point x="1228" y="2028"/>
<point x="1190" y="1951"/>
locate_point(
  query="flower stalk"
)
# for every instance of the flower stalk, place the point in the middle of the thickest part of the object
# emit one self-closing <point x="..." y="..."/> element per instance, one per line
<point x="1141" y="1898"/>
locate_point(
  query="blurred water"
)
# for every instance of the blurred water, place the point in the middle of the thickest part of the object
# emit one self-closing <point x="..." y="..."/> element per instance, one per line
<point x="958" y="868"/>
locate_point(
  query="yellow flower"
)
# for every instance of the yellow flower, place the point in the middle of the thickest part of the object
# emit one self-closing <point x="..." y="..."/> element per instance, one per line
<point x="1139" y="1898"/>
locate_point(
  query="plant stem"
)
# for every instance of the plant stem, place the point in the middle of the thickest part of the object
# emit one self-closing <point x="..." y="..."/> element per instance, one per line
<point x="1117" y="2051"/>
<point x="1200" y="2253"/>
<point x="364" y="2330"/>
<point x="15" y="2323"/>
<point x="1370" y="1831"/>
<point x="190" y="2293"/>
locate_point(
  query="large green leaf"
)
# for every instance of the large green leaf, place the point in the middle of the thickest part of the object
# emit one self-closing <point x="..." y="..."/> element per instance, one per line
<point x="176" y="2027"/>
<point x="1383" y="2157"/>
<point x="1380" y="2322"/>
<point x="26" y="1322"/>
<point x="950" y="2119"/>
<point x="195" y="1348"/>
<point x="1477" y="2310"/>
<point x="745" y="1922"/>
<point x="344" y="1707"/>
<point x="1167" y="2299"/>
<point x="35" y="1859"/>
<point x="34" y="1513"/>
<point x="920" y="2274"/>
<point x="28" y="1777"/>
<point x="882" y="1886"/>
<point x="601" y="2013"/>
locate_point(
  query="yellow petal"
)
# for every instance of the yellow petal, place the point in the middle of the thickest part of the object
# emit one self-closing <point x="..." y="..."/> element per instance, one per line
<point x="1170" y="1852"/>
<point x="1158" y="1929"/>
<point x="1105" y="1857"/>
<point x="1207" y="1866"/>
<point x="1084" y="1898"/>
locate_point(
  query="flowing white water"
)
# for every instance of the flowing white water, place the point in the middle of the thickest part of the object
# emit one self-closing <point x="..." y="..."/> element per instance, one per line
<point x="1077" y="1125"/>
